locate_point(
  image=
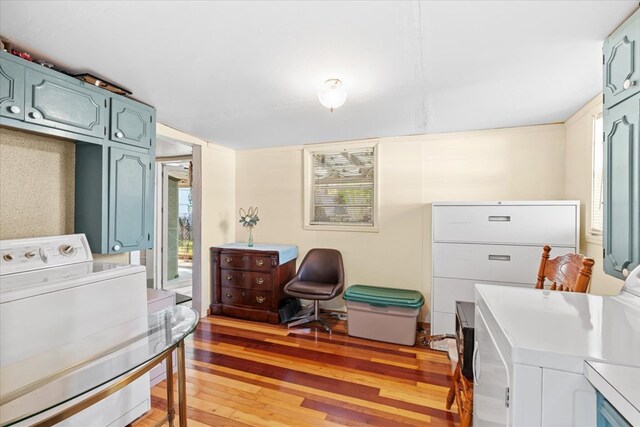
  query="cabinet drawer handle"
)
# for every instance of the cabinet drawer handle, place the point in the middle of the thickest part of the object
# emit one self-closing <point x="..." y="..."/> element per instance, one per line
<point x="244" y="293"/>
<point x="35" y="115"/>
<point x="260" y="299"/>
<point x="229" y="277"/>
<point x="259" y="280"/>
<point x="628" y="83"/>
<point x="227" y="295"/>
<point x="14" y="109"/>
<point x="259" y="262"/>
<point x="499" y="257"/>
<point x="227" y="260"/>
<point x="119" y="134"/>
<point x="499" y="218"/>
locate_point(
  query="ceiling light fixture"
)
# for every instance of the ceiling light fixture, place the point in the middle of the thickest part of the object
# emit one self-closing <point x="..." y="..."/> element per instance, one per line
<point x="332" y="95"/>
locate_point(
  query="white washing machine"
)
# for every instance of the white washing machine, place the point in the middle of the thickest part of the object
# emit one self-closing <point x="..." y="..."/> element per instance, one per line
<point x="531" y="346"/>
<point x="53" y="294"/>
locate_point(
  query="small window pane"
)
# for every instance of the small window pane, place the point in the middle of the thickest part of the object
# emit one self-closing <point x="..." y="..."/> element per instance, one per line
<point x="596" y="187"/>
<point x="343" y="187"/>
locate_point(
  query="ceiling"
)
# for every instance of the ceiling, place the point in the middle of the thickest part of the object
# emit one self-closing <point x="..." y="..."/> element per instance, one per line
<point x="245" y="74"/>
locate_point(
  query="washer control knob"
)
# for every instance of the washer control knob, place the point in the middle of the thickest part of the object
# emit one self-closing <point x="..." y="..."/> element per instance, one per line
<point x="7" y="257"/>
<point x="67" y="250"/>
<point x="30" y="254"/>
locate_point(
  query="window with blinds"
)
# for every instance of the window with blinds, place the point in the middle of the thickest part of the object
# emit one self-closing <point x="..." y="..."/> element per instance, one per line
<point x="342" y="187"/>
<point x="597" y="205"/>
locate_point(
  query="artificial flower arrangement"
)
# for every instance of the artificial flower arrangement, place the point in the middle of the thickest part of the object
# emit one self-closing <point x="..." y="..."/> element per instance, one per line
<point x="249" y="219"/>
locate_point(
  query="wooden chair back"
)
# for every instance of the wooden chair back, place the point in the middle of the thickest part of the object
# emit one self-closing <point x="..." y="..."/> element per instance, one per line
<point x="570" y="272"/>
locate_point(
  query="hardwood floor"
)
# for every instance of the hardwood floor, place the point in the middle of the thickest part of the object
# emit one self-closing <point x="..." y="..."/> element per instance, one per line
<point x="242" y="373"/>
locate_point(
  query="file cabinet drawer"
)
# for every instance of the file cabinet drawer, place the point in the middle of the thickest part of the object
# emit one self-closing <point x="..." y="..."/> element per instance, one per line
<point x="508" y="224"/>
<point x="499" y="263"/>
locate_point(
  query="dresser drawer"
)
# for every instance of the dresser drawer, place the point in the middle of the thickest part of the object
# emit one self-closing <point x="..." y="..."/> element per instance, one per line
<point x="496" y="263"/>
<point x="244" y="262"/>
<point x="246" y="297"/>
<point x="445" y="292"/>
<point x="246" y="279"/>
<point x="541" y="225"/>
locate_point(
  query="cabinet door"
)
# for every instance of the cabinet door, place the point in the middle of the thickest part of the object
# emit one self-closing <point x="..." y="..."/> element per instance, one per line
<point x="11" y="89"/>
<point x="622" y="62"/>
<point x="131" y="123"/>
<point x="622" y="188"/>
<point x="64" y="105"/>
<point x="128" y="200"/>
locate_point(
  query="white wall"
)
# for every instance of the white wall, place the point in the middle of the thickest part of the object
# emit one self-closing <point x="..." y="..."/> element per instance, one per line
<point x="508" y="164"/>
<point x="578" y="171"/>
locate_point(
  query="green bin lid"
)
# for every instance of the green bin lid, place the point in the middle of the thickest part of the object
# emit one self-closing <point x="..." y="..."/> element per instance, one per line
<point x="384" y="296"/>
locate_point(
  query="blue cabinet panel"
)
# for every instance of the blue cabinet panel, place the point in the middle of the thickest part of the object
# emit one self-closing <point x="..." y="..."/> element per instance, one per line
<point x="131" y="123"/>
<point x="64" y="104"/>
<point x="622" y="62"/>
<point x="12" y="90"/>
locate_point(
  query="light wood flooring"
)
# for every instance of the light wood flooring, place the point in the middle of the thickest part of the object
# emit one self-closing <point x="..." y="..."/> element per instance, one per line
<point x="242" y="373"/>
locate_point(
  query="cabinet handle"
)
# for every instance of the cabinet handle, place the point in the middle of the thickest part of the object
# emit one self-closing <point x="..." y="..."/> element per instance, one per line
<point x="14" y="109"/>
<point x="259" y="280"/>
<point x="244" y="293"/>
<point x="474" y="363"/>
<point x="499" y="218"/>
<point x="35" y="115"/>
<point x="260" y="299"/>
<point x="625" y="272"/>
<point x="227" y="295"/>
<point x="499" y="257"/>
<point x="259" y="262"/>
<point x="116" y="247"/>
<point x="227" y="260"/>
<point x="119" y="134"/>
<point x="628" y="83"/>
<point x="229" y="277"/>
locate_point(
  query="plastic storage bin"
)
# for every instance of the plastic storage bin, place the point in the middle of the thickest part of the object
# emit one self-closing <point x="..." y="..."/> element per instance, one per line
<point x="383" y="314"/>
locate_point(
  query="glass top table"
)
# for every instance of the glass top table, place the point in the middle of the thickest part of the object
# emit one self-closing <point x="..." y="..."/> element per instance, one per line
<point x="95" y="367"/>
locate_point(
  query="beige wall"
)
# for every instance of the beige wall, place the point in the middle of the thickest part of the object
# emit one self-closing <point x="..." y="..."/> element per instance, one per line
<point x="37" y="183"/>
<point x="522" y="163"/>
<point x="578" y="170"/>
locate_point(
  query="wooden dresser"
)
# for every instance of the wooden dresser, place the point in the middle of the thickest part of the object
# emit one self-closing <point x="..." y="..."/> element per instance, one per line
<point x="248" y="282"/>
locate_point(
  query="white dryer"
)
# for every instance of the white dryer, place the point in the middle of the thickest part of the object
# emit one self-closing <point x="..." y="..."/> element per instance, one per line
<point x="53" y="294"/>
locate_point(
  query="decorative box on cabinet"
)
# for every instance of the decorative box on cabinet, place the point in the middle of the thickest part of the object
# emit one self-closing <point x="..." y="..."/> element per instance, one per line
<point x="248" y="282"/>
<point x="157" y="300"/>
<point x="621" y="177"/>
<point x="493" y="242"/>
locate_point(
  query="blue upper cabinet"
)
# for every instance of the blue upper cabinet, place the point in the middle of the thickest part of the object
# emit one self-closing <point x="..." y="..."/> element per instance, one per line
<point x="131" y="123"/>
<point x="12" y="90"/>
<point x="621" y="179"/>
<point x="64" y="104"/>
<point x="622" y="62"/>
<point x="129" y="225"/>
<point x="622" y="187"/>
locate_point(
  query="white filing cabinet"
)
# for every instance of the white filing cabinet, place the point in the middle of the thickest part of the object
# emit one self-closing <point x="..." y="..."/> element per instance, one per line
<point x="495" y="243"/>
<point x="158" y="299"/>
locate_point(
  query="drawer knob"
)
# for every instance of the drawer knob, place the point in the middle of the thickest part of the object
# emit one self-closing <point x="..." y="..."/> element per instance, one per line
<point x="14" y="109"/>
<point x="259" y="280"/>
<point x="35" y="115"/>
<point x="259" y="262"/>
<point x="227" y="295"/>
<point x="227" y="259"/>
<point x="244" y="293"/>
<point x="119" y="134"/>
<point x="260" y="299"/>
<point x="229" y="277"/>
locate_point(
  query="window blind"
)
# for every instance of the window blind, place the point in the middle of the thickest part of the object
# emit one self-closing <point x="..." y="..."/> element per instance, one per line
<point x="343" y="187"/>
<point x="597" y="202"/>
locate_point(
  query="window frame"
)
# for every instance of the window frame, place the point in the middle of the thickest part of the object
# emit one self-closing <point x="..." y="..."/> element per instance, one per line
<point x="308" y="153"/>
<point x="594" y="235"/>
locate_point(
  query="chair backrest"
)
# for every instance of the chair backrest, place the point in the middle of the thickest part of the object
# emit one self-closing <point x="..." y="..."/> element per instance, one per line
<point x="322" y="266"/>
<point x="570" y="272"/>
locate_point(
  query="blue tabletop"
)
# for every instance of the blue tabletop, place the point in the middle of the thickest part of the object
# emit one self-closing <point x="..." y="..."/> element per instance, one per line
<point x="286" y="252"/>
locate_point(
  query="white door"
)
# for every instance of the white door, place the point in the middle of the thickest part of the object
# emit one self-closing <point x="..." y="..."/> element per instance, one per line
<point x="491" y="379"/>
